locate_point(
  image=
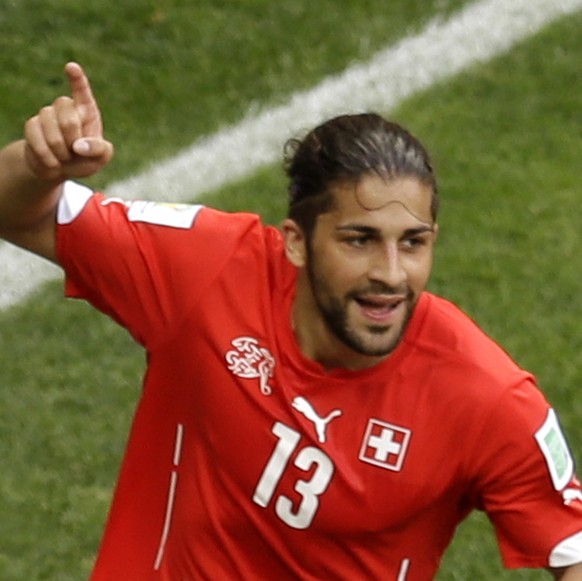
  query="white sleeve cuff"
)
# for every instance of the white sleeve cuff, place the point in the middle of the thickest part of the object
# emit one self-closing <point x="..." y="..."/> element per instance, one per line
<point x="568" y="552"/>
<point x="73" y="199"/>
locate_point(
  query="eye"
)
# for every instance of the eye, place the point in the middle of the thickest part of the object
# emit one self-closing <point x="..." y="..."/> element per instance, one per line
<point x="413" y="242"/>
<point x="359" y="241"/>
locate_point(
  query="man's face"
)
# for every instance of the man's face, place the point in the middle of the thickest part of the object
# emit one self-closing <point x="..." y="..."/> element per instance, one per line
<point x="369" y="259"/>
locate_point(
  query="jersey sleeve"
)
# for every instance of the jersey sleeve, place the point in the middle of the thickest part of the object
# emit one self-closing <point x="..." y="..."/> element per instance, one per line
<point x="142" y="263"/>
<point x="526" y="482"/>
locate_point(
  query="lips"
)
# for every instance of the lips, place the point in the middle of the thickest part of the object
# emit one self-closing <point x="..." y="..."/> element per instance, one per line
<point x="381" y="309"/>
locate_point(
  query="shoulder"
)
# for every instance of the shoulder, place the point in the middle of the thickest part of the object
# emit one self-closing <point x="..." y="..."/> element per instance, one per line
<point x="458" y="352"/>
<point x="450" y="332"/>
<point x="81" y="208"/>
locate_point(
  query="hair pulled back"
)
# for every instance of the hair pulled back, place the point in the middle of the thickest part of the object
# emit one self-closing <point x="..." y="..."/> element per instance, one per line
<point x="343" y="150"/>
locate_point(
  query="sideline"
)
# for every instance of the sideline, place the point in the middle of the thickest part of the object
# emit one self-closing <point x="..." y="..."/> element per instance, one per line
<point x="478" y="32"/>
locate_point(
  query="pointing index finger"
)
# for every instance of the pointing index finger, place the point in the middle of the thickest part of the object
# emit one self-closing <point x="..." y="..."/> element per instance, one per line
<point x="84" y="100"/>
<point x="81" y="91"/>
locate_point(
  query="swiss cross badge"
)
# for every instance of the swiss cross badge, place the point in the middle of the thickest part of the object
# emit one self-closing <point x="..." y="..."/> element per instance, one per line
<point x="385" y="445"/>
<point x="250" y="360"/>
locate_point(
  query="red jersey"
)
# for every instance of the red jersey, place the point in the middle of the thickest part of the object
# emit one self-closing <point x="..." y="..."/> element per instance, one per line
<point x="246" y="460"/>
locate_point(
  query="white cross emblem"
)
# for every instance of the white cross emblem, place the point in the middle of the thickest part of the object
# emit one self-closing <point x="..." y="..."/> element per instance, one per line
<point x="385" y="445"/>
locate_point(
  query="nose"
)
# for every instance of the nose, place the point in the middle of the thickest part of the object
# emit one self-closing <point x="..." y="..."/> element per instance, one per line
<point x="387" y="267"/>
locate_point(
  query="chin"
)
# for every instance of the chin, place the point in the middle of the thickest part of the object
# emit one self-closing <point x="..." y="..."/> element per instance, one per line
<point x="371" y="346"/>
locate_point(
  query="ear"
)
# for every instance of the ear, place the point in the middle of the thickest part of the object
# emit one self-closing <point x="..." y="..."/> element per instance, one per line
<point x="295" y="243"/>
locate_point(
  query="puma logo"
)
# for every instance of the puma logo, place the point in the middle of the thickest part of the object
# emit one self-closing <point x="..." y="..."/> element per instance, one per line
<point x="304" y="407"/>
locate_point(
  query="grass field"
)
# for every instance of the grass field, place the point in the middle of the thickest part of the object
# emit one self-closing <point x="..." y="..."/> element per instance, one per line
<point x="506" y="139"/>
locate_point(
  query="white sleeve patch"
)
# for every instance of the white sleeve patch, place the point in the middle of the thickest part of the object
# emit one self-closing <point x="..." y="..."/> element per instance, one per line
<point x="163" y="214"/>
<point x="568" y="552"/>
<point x="73" y="199"/>
<point x="555" y="450"/>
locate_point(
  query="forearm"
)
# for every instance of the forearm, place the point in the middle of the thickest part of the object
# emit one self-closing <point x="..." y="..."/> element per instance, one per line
<point x="27" y="202"/>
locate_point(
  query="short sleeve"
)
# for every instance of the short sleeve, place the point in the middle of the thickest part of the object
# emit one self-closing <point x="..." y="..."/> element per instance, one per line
<point x="143" y="263"/>
<point x="526" y="481"/>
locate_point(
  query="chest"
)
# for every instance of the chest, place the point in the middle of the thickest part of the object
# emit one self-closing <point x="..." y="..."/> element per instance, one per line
<point x="338" y="454"/>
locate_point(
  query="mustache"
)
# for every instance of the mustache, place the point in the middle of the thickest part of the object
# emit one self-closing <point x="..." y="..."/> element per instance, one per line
<point x="380" y="288"/>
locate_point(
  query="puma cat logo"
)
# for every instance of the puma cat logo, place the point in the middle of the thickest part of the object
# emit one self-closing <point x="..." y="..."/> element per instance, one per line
<point x="304" y="407"/>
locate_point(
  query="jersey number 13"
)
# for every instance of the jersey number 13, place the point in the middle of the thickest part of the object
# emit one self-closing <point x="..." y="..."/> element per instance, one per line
<point x="300" y="516"/>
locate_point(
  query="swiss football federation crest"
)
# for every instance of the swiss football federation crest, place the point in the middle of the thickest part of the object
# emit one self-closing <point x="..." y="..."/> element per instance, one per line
<point x="249" y="360"/>
<point x="385" y="445"/>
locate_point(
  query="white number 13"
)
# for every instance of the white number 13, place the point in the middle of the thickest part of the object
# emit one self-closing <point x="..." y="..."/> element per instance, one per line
<point x="310" y="490"/>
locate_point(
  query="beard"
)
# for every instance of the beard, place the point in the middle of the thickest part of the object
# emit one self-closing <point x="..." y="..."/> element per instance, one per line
<point x="371" y="340"/>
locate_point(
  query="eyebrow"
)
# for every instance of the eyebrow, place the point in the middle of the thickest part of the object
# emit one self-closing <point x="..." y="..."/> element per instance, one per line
<point x="370" y="231"/>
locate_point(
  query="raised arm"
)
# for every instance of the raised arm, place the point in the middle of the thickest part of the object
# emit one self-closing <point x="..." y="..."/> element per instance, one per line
<point x="63" y="141"/>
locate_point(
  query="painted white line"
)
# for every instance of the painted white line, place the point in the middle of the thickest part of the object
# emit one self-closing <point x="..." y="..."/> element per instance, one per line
<point x="21" y="273"/>
<point x="479" y="32"/>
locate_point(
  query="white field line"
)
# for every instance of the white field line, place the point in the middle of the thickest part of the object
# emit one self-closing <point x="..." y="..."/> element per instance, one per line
<point x="478" y="32"/>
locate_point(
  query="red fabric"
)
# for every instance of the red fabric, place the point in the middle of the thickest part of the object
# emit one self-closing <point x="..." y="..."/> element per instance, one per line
<point x="445" y="425"/>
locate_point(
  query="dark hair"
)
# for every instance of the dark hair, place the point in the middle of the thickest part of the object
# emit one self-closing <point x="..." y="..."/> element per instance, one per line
<point x="345" y="149"/>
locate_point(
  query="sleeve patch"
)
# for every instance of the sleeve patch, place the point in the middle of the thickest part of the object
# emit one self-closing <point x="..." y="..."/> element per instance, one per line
<point x="555" y="450"/>
<point x="162" y="214"/>
<point x="73" y="199"/>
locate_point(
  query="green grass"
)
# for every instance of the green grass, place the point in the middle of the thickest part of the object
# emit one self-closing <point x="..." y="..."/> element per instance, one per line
<point x="166" y="71"/>
<point x="69" y="381"/>
<point x="506" y="141"/>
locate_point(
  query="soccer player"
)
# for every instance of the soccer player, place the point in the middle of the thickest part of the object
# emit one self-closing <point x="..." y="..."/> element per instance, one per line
<point x="309" y="410"/>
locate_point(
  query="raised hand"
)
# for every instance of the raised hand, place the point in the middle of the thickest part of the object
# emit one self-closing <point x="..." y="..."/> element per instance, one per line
<point x="65" y="139"/>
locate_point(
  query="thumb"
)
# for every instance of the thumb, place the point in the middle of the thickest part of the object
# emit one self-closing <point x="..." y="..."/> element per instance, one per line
<point x="93" y="147"/>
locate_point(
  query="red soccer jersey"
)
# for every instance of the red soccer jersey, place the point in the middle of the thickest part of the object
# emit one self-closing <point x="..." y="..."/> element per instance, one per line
<point x="246" y="460"/>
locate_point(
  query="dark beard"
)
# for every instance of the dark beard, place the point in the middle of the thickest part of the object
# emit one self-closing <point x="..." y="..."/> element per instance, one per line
<point x="334" y="314"/>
